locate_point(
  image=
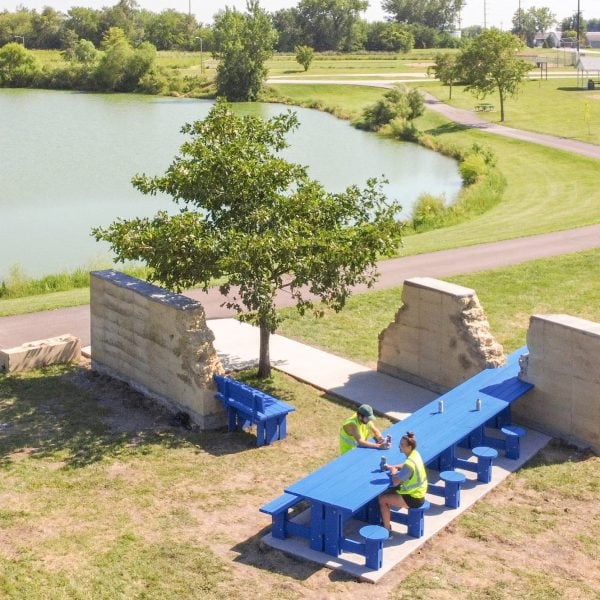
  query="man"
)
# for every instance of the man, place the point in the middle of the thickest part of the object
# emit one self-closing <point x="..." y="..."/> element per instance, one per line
<point x="357" y="429"/>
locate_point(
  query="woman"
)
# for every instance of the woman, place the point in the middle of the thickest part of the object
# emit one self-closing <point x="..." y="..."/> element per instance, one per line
<point x="409" y="480"/>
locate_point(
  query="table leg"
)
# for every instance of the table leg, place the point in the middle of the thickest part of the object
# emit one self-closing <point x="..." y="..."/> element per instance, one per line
<point x="317" y="526"/>
<point x="446" y="459"/>
<point x="333" y="530"/>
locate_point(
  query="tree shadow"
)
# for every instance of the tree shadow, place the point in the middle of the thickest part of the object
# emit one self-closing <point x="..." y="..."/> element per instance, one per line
<point x="572" y="89"/>
<point x="447" y="128"/>
<point x="81" y="417"/>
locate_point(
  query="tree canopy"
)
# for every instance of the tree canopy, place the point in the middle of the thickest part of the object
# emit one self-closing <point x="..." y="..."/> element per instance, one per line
<point x="257" y="222"/>
<point x="437" y="14"/>
<point x="489" y="63"/>
<point x="243" y="43"/>
<point x="526" y="23"/>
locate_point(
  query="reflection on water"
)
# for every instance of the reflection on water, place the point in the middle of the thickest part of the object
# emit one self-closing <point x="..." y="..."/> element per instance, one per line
<point x="68" y="159"/>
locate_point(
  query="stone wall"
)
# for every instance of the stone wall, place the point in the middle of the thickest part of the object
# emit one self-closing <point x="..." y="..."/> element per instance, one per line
<point x="440" y="336"/>
<point x="40" y="353"/>
<point x="157" y="342"/>
<point x="564" y="366"/>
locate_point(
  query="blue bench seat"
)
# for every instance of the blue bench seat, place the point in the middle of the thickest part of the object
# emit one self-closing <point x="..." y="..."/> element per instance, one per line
<point x="247" y="407"/>
<point x="282" y="526"/>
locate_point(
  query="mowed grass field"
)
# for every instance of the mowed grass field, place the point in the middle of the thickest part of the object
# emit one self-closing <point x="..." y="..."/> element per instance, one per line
<point x="103" y="497"/>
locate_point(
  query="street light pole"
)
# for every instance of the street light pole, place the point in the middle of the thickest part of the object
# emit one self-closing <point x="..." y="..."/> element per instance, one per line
<point x="578" y="28"/>
<point x="201" y="59"/>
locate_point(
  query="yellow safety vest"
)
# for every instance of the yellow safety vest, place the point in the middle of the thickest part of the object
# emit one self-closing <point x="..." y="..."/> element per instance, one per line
<point x="347" y="442"/>
<point x="416" y="485"/>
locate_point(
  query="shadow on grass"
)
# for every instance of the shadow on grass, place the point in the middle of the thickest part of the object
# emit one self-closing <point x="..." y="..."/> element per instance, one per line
<point x="572" y="89"/>
<point x="255" y="553"/>
<point x="446" y="128"/>
<point x="79" y="417"/>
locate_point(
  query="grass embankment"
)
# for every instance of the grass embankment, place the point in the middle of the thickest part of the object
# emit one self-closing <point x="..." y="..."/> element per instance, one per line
<point x="568" y="284"/>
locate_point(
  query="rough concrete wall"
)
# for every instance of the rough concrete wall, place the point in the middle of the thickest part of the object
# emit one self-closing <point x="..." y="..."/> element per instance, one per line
<point x="41" y="353"/>
<point x="440" y="336"/>
<point x="157" y="342"/>
<point x="564" y="366"/>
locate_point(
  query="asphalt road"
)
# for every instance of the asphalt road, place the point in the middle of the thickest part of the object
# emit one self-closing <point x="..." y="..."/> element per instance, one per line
<point x="20" y="329"/>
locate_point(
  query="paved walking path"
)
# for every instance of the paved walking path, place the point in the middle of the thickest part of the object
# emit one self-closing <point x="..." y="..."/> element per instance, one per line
<point x="18" y="329"/>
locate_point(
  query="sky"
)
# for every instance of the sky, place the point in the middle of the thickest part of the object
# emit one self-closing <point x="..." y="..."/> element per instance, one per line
<point x="492" y="13"/>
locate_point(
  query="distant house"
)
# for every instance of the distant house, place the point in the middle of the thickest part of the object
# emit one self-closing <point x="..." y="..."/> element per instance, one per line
<point x="550" y="38"/>
<point x="592" y="38"/>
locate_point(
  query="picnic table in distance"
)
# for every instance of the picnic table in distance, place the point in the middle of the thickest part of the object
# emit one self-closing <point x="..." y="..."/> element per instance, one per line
<point x="484" y="107"/>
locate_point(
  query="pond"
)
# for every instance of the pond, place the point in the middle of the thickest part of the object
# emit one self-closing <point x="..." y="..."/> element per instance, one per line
<point x="68" y="159"/>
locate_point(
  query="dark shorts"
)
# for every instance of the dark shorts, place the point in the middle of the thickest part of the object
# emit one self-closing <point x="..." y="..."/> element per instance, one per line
<point x="413" y="502"/>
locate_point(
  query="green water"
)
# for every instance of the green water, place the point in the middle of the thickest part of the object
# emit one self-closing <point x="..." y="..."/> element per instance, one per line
<point x="67" y="160"/>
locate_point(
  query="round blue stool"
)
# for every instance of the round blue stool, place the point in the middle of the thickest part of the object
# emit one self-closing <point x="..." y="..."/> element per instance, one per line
<point x="513" y="440"/>
<point x="485" y="456"/>
<point x="374" y="536"/>
<point x="452" y="480"/>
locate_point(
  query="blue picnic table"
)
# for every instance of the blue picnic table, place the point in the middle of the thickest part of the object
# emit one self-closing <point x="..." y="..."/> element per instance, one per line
<point x="350" y="484"/>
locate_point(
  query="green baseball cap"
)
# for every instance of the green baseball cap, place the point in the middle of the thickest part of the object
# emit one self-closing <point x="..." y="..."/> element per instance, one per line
<point x="366" y="411"/>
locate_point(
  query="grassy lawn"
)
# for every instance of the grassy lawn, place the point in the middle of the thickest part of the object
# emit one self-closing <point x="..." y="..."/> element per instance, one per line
<point x="568" y="284"/>
<point x="103" y="498"/>
<point x="547" y="190"/>
<point x="553" y="106"/>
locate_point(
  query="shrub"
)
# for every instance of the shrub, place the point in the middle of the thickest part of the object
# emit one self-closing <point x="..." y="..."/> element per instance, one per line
<point x="472" y="168"/>
<point x="427" y="212"/>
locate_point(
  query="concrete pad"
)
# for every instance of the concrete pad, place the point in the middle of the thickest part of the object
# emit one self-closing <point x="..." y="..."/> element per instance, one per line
<point x="237" y="346"/>
<point x="401" y="545"/>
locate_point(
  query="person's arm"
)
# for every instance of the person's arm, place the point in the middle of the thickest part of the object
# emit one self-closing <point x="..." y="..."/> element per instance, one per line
<point x="400" y="473"/>
<point x="352" y="430"/>
<point x="377" y="434"/>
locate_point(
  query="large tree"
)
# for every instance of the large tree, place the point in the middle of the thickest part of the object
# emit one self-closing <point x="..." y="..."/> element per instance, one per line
<point x="331" y="24"/>
<point x="489" y="63"/>
<point x="243" y="43"/>
<point x="437" y="14"/>
<point x="526" y="23"/>
<point x="257" y="222"/>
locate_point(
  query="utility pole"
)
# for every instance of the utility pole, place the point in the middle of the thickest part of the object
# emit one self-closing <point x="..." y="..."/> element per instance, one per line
<point x="519" y="21"/>
<point x="484" y="14"/>
<point x="190" y="8"/>
<point x="578" y="27"/>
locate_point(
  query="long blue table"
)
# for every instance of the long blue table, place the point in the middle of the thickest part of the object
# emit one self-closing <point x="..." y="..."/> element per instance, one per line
<point x="350" y="482"/>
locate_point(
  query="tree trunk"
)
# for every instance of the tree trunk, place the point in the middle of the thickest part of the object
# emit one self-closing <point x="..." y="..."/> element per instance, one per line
<point x="501" y="107"/>
<point x="264" y="361"/>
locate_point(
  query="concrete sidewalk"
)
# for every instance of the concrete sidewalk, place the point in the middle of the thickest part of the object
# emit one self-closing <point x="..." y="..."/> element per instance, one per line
<point x="237" y="345"/>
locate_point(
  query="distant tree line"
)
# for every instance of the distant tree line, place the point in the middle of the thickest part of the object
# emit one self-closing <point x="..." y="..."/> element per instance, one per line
<point x="324" y="25"/>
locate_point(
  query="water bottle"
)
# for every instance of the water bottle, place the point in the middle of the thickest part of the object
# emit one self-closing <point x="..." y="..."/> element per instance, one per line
<point x="382" y="463"/>
<point x="440" y="406"/>
<point x="388" y="440"/>
<point x="478" y="404"/>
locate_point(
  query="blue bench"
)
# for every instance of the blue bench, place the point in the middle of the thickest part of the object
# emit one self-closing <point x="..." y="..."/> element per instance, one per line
<point x="247" y="406"/>
<point x="282" y="526"/>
